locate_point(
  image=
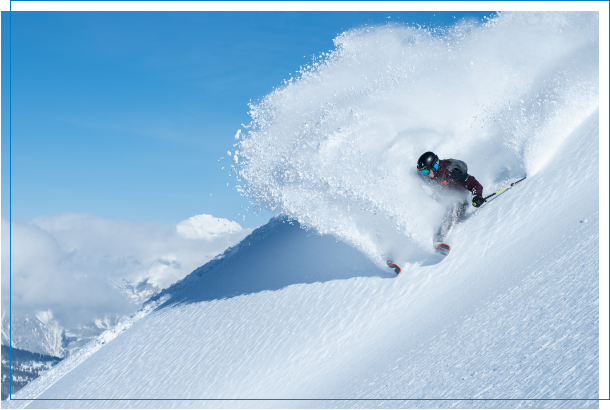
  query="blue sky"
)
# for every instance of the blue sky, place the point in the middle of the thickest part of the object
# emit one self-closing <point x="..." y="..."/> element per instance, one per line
<point x="125" y="115"/>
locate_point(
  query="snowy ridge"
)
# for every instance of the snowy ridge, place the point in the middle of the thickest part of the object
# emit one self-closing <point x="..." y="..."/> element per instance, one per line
<point x="295" y="314"/>
<point x="511" y="314"/>
<point x="285" y="253"/>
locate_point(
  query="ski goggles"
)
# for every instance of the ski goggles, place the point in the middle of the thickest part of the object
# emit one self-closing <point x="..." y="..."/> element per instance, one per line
<point x="425" y="171"/>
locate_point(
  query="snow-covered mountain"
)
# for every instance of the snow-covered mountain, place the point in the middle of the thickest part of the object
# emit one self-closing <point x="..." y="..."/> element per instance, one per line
<point x="206" y="227"/>
<point x="314" y="318"/>
<point x="116" y="266"/>
<point x="76" y="255"/>
<point x="512" y="313"/>
<point x="36" y="333"/>
<point x="138" y="293"/>
<point x="40" y="333"/>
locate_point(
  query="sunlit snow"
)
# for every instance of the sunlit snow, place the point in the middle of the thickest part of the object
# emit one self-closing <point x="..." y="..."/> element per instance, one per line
<point x="312" y="318"/>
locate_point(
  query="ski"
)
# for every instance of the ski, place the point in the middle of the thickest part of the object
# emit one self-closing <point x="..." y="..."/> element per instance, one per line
<point x="443" y="249"/>
<point x="394" y="266"/>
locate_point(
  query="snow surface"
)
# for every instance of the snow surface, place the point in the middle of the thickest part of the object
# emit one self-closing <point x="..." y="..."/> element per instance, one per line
<point x="512" y="313"/>
<point x="310" y="320"/>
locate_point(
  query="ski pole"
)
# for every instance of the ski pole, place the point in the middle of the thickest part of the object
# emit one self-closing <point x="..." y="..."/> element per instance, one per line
<point x="487" y="197"/>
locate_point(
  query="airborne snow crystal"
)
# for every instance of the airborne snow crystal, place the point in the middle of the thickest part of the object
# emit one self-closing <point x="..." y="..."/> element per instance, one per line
<point x="289" y="313"/>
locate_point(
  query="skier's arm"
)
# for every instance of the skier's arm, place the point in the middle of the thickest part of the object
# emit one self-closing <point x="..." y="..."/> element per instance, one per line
<point x="467" y="181"/>
<point x="473" y="186"/>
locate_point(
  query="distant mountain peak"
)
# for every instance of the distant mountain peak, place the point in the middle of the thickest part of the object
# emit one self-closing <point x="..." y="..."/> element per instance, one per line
<point x="137" y="293"/>
<point x="38" y="333"/>
<point x="45" y="317"/>
<point x="206" y="227"/>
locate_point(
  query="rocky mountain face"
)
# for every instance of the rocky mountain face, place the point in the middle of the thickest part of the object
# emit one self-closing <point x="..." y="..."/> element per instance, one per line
<point x="139" y="293"/>
<point x="36" y="333"/>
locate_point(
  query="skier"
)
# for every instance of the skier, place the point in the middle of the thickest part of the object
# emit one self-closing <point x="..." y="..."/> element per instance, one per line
<point x="452" y="174"/>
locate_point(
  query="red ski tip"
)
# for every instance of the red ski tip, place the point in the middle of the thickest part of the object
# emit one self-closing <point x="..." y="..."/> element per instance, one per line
<point x="395" y="267"/>
<point x="443" y="248"/>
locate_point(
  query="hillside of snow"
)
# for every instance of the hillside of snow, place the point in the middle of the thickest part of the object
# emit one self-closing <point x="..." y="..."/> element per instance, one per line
<point x="512" y="313"/>
<point x="309" y="318"/>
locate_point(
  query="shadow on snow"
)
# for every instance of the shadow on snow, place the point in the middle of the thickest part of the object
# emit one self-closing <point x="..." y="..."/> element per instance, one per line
<point x="274" y="256"/>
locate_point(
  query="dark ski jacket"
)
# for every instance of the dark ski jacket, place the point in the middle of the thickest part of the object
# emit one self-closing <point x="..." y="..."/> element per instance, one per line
<point x="453" y="175"/>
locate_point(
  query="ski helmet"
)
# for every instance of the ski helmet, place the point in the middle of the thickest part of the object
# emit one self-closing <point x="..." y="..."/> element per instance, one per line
<point x="427" y="161"/>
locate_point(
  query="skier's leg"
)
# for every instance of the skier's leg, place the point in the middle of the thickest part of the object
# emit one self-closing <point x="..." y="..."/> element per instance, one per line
<point x="460" y="211"/>
<point x="451" y="217"/>
<point x="439" y="237"/>
<point x="445" y="227"/>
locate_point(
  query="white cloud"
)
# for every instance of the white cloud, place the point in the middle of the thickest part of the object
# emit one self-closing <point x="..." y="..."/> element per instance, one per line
<point x="66" y="263"/>
<point x="206" y="227"/>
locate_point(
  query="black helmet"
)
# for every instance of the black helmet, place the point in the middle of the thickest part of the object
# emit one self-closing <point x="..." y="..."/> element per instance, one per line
<point x="427" y="161"/>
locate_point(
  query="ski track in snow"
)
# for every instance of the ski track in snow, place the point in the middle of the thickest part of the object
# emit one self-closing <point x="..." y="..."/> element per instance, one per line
<point x="511" y="314"/>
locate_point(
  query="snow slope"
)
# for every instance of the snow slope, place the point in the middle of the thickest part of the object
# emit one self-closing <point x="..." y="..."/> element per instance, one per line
<point x="511" y="315"/>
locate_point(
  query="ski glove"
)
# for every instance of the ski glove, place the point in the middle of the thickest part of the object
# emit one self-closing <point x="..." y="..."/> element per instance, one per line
<point x="477" y="201"/>
<point x="458" y="176"/>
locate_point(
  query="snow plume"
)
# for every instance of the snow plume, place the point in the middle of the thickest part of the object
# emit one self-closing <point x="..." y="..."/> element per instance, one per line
<point x="78" y="267"/>
<point x="336" y="148"/>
